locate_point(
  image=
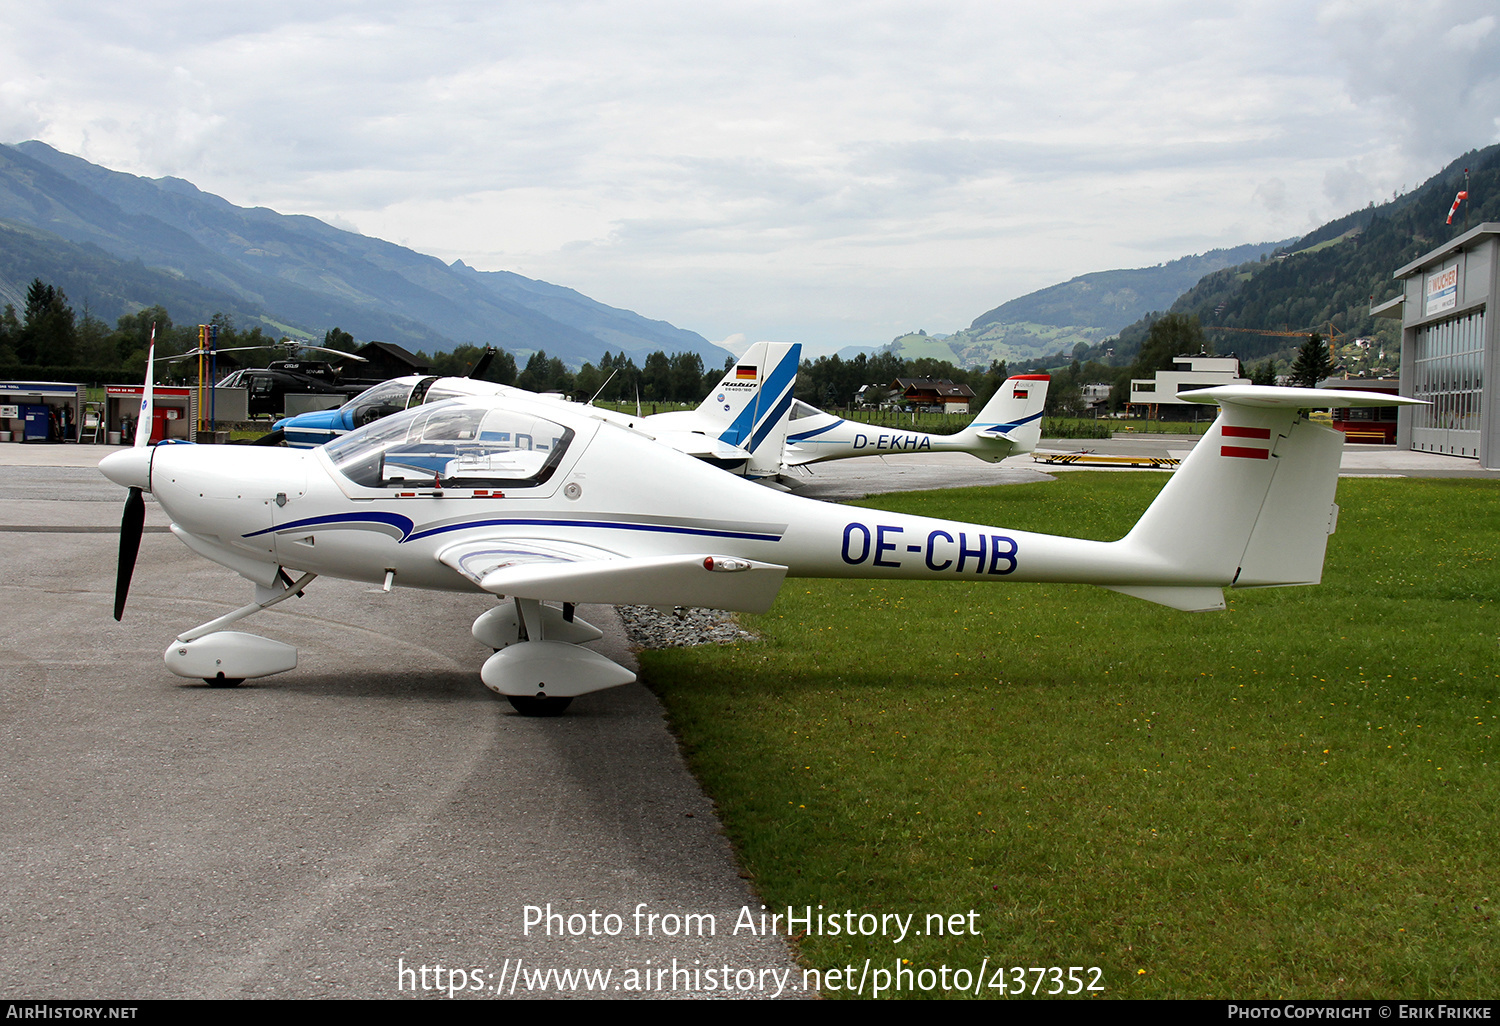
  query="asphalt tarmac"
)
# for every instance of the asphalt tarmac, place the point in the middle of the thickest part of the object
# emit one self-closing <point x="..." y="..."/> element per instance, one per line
<point x="337" y="830"/>
<point x="315" y="833"/>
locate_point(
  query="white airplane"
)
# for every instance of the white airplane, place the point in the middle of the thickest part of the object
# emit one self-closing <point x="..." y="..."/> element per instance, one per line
<point x="740" y="426"/>
<point x="735" y="428"/>
<point x="537" y="503"/>
<point x="1009" y="424"/>
<point x="749" y="424"/>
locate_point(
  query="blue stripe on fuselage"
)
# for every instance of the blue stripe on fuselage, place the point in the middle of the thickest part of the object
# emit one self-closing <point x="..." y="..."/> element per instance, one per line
<point x="813" y="434"/>
<point x="408" y="533"/>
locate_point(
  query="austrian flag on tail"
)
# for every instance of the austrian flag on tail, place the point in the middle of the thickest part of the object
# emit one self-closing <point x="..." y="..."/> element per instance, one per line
<point x="1246" y="452"/>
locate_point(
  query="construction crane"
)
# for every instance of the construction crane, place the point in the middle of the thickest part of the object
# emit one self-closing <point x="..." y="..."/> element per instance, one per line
<point x="1330" y="332"/>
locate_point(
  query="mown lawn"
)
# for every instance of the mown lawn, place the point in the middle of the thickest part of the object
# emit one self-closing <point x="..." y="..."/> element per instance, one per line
<point x="1294" y="798"/>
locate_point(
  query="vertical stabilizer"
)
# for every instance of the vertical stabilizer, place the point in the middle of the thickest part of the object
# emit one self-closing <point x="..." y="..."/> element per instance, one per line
<point x="749" y="405"/>
<point x="1252" y="505"/>
<point x="1013" y="416"/>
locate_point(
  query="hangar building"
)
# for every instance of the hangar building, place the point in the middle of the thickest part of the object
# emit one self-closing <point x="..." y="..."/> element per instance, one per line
<point x="1449" y="351"/>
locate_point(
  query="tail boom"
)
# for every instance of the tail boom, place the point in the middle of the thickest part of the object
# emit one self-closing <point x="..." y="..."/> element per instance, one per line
<point x="1251" y="506"/>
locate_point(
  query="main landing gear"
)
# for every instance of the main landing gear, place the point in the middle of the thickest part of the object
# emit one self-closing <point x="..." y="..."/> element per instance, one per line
<point x="538" y="664"/>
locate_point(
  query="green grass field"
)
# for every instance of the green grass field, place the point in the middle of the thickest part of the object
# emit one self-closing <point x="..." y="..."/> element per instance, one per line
<point x="1294" y="798"/>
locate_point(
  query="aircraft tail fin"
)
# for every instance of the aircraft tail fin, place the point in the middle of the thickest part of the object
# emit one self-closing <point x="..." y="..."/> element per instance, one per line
<point x="1252" y="505"/>
<point x="749" y="405"/>
<point x="1012" y="419"/>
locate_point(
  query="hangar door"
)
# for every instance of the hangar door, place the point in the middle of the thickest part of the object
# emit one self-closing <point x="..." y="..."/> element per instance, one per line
<point x="1448" y="372"/>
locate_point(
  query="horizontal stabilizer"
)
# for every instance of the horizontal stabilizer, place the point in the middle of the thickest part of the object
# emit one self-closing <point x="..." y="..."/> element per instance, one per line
<point x="715" y="582"/>
<point x="1267" y="397"/>
<point x="701" y="446"/>
<point x="1253" y="504"/>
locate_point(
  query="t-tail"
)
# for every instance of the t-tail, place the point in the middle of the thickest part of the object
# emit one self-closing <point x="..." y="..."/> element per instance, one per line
<point x="1253" y="505"/>
<point x="1011" y="422"/>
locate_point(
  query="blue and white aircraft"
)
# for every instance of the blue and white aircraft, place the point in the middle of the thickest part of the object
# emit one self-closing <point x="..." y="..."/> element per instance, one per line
<point x="310" y="430"/>
<point x="749" y="424"/>
<point x="735" y="428"/>
<point x="1010" y="424"/>
<point x="543" y="506"/>
<point x="741" y="425"/>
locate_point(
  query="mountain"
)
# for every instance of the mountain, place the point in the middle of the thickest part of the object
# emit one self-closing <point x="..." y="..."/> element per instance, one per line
<point x="1336" y="272"/>
<point x="1112" y="299"/>
<point x="1085" y="311"/>
<point x="139" y="234"/>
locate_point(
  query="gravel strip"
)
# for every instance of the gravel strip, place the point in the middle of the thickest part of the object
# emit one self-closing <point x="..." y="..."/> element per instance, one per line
<point x="648" y="627"/>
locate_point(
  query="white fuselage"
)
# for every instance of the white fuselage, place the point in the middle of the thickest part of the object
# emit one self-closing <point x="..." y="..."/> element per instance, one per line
<point x="614" y="494"/>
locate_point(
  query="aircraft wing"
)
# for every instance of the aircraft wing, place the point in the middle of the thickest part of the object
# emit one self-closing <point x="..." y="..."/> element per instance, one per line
<point x="557" y="571"/>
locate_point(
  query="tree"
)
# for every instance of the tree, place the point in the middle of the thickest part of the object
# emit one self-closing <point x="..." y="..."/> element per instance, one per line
<point x="48" y="335"/>
<point x="1171" y="335"/>
<point x="686" y="376"/>
<point x="545" y="374"/>
<point x="1313" y="364"/>
<point x="10" y="334"/>
<point x="1264" y="373"/>
<point x="95" y="348"/>
<point x="132" y="333"/>
<point x="587" y="381"/>
<point x="656" y="377"/>
<point x="1065" y="394"/>
<point x="338" y="338"/>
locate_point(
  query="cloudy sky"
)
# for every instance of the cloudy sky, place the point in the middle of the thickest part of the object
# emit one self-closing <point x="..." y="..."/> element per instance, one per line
<point x="830" y="173"/>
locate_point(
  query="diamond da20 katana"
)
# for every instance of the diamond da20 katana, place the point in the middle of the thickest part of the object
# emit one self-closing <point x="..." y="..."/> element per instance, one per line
<point x="548" y="508"/>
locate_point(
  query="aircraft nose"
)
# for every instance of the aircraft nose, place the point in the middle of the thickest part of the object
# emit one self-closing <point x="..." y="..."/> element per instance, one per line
<point x="129" y="468"/>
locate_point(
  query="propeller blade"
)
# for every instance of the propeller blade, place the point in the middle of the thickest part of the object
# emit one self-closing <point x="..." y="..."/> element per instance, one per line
<point x="131" y="526"/>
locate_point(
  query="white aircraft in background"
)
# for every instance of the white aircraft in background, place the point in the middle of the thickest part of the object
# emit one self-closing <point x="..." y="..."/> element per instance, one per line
<point x="749" y="424"/>
<point x="536" y="502"/>
<point x="1010" y="424"/>
<point x="735" y="428"/>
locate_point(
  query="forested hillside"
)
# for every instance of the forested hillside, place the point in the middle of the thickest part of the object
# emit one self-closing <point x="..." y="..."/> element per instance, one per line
<point x="1332" y="274"/>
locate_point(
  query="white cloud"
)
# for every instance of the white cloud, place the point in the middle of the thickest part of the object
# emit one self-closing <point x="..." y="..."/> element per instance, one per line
<point x="818" y="171"/>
